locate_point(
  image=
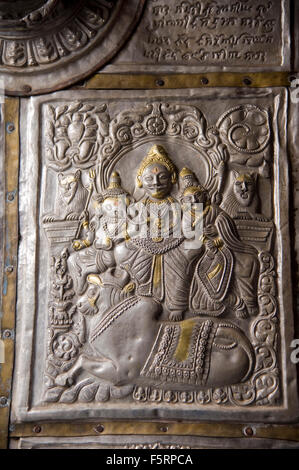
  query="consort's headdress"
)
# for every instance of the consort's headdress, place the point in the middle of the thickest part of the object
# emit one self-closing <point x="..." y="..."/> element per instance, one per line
<point x="189" y="183"/>
<point x="157" y="154"/>
<point x="114" y="188"/>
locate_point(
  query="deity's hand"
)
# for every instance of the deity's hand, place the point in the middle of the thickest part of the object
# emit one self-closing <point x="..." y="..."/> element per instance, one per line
<point x="210" y="246"/>
<point x="77" y="245"/>
<point x="84" y="215"/>
<point x="217" y="198"/>
<point x="210" y="231"/>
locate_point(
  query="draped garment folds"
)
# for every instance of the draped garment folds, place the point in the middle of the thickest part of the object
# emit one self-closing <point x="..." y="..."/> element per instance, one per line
<point x="198" y="280"/>
<point x="227" y="278"/>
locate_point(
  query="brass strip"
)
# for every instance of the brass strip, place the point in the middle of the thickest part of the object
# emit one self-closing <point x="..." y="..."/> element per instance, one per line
<point x="281" y="432"/>
<point x="157" y="276"/>
<point x="182" y="351"/>
<point x="10" y="247"/>
<point x="211" y="79"/>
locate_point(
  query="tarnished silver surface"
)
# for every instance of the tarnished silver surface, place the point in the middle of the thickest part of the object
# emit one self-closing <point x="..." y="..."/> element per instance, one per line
<point x="193" y="36"/>
<point x="296" y="37"/>
<point x="150" y="442"/>
<point x="96" y="337"/>
<point x="48" y="45"/>
<point x="293" y="123"/>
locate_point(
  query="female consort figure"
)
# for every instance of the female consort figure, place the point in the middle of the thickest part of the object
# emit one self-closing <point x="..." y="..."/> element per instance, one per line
<point x="108" y="227"/>
<point x="227" y="270"/>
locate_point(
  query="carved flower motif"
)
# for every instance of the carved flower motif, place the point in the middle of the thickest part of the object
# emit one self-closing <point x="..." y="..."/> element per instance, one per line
<point x="73" y="135"/>
<point x="246" y="128"/>
<point x="156" y="125"/>
<point x="202" y="397"/>
<point x="169" y="396"/>
<point x="140" y="394"/>
<point x="64" y="347"/>
<point x="219" y="396"/>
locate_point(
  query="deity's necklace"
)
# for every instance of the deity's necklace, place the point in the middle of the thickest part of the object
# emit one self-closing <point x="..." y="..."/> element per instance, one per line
<point x="198" y="218"/>
<point x="159" y="210"/>
<point x="117" y="230"/>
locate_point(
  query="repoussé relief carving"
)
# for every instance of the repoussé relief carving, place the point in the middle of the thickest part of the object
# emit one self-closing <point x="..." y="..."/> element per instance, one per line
<point x="50" y="44"/>
<point x="137" y="307"/>
<point x="42" y="38"/>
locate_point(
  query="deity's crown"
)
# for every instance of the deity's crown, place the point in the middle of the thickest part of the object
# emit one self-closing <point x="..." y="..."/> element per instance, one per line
<point x="114" y="188"/>
<point x="157" y="154"/>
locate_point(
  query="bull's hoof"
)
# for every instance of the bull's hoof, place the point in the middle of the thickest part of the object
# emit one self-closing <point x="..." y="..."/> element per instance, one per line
<point x="103" y="393"/>
<point x="64" y="380"/>
<point x="121" y="392"/>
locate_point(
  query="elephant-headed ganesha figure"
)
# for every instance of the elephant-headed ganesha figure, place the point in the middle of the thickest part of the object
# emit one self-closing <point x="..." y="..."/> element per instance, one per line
<point x="169" y="273"/>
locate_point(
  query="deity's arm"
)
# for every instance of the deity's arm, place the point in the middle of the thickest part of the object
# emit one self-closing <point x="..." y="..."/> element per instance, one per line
<point x="87" y="233"/>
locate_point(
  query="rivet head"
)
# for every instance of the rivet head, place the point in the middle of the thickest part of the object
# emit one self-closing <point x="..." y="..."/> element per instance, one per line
<point x="9" y="269"/>
<point x="160" y="82"/>
<point x="7" y="334"/>
<point x="10" y="196"/>
<point x="247" y="81"/>
<point x="248" y="431"/>
<point x="26" y="88"/>
<point x="99" y="428"/>
<point x="204" y="80"/>
<point x="10" y="127"/>
<point x="37" y="429"/>
<point x="163" y="428"/>
<point x="3" y="401"/>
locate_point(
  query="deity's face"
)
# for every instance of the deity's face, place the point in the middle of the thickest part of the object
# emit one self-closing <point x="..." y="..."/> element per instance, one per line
<point x="244" y="190"/>
<point x="114" y="206"/>
<point x="156" y="181"/>
<point x="198" y="197"/>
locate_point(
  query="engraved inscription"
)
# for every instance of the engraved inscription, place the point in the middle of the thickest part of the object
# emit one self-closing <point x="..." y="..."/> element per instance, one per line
<point x="238" y="33"/>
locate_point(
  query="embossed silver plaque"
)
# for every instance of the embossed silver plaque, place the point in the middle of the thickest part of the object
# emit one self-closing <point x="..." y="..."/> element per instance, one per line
<point x="118" y="317"/>
<point x="189" y="35"/>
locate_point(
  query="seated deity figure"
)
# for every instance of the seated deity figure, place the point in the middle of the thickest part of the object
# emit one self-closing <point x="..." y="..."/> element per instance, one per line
<point x="94" y="250"/>
<point x="154" y="255"/>
<point x="226" y="271"/>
